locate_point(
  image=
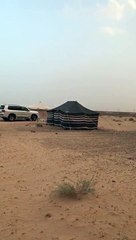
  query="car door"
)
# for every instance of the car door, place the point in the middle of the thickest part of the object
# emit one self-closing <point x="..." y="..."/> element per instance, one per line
<point x="25" y="112"/>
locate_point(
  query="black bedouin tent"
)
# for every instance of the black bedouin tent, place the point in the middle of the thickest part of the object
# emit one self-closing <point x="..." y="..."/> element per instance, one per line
<point x="72" y="115"/>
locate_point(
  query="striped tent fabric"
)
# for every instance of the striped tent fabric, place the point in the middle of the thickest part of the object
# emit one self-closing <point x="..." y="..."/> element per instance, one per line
<point x="72" y="115"/>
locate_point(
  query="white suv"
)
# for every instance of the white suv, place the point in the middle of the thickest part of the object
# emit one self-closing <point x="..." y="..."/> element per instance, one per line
<point x="15" y="112"/>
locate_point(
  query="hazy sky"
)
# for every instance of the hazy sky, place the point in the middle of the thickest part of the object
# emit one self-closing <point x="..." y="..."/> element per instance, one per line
<point x="58" y="50"/>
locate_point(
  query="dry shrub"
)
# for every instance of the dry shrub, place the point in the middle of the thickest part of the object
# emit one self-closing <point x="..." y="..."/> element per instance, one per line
<point x="39" y="124"/>
<point x="131" y="119"/>
<point x="68" y="190"/>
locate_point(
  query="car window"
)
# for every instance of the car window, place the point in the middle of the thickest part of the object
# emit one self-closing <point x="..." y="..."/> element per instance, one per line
<point x="24" y="109"/>
<point x="17" y="108"/>
<point x="2" y="106"/>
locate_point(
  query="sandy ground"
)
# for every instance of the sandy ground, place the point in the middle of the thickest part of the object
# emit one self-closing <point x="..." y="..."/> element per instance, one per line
<point x="33" y="161"/>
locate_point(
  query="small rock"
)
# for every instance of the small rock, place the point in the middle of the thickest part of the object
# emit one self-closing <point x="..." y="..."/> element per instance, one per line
<point x="48" y="215"/>
<point x="113" y="181"/>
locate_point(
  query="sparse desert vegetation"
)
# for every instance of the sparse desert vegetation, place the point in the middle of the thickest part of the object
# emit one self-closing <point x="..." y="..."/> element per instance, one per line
<point x="75" y="190"/>
<point x="131" y="119"/>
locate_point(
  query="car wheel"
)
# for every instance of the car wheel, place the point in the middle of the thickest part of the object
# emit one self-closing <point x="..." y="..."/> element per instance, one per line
<point x="33" y="117"/>
<point x="11" y="117"/>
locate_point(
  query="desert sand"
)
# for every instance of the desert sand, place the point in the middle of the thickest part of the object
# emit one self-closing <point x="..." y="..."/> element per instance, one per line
<point x="35" y="160"/>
